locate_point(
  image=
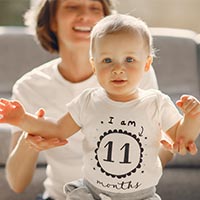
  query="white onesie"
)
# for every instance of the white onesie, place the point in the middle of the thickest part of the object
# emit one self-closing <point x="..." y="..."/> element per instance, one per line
<point x="122" y="139"/>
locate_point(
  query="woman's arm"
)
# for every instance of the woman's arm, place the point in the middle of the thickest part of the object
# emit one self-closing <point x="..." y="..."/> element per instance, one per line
<point x="24" y="150"/>
<point x="22" y="159"/>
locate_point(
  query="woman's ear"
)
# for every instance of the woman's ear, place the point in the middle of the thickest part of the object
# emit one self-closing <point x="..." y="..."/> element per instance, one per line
<point x="148" y="63"/>
<point x="92" y="64"/>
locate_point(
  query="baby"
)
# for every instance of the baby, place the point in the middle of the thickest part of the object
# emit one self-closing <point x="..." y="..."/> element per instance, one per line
<point x="121" y="123"/>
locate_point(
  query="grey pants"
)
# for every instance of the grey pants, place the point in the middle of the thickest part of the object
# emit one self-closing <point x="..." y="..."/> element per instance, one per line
<point x="83" y="190"/>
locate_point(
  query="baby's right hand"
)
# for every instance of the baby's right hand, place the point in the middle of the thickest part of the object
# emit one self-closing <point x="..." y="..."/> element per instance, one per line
<point x="11" y="112"/>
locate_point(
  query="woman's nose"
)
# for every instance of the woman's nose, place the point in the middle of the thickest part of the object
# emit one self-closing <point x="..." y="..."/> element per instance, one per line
<point x="84" y="13"/>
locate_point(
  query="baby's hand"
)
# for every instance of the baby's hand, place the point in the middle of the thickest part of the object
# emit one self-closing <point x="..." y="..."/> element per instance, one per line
<point x="11" y="112"/>
<point x="179" y="147"/>
<point x="189" y="105"/>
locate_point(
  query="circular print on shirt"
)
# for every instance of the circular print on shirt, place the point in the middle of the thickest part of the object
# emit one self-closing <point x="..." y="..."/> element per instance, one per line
<point x="119" y="153"/>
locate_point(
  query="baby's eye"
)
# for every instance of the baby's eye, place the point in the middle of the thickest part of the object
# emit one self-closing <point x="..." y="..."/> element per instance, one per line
<point x="129" y="59"/>
<point x="107" y="60"/>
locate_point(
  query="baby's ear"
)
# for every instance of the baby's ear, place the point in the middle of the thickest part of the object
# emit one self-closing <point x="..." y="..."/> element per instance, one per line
<point x="148" y="63"/>
<point x="92" y="64"/>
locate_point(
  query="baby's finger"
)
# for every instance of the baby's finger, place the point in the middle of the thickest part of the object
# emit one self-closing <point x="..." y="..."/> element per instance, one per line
<point x="183" y="102"/>
<point x="40" y="112"/>
<point x="15" y="104"/>
<point x="185" y="97"/>
<point x="179" y="103"/>
<point x="193" y="106"/>
<point x="192" y="148"/>
<point x="195" y="110"/>
<point x="179" y="147"/>
<point x="4" y="101"/>
<point x="166" y="145"/>
<point x="190" y="101"/>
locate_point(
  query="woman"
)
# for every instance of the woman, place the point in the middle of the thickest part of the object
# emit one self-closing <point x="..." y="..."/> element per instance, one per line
<point x="62" y="26"/>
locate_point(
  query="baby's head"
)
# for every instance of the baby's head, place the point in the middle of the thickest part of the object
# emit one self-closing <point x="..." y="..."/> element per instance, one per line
<point x="120" y="53"/>
<point x="121" y="23"/>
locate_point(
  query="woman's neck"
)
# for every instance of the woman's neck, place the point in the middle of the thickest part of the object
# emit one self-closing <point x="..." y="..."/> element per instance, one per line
<point x="75" y="66"/>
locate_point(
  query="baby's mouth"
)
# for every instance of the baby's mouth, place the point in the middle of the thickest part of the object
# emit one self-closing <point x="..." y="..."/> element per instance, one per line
<point x="119" y="81"/>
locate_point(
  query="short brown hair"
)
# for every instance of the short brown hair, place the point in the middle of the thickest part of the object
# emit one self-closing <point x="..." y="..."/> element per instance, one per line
<point x="43" y="14"/>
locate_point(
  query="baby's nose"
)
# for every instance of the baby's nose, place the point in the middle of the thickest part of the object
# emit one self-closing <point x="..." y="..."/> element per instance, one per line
<point x="118" y="69"/>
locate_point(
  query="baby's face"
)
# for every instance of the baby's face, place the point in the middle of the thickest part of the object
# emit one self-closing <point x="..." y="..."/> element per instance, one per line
<point x="120" y="61"/>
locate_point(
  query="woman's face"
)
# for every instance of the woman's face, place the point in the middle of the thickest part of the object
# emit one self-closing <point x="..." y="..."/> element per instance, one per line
<point x="74" y="21"/>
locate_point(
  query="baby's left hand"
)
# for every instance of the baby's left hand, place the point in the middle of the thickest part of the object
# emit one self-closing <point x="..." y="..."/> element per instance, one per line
<point x="179" y="147"/>
<point x="189" y="105"/>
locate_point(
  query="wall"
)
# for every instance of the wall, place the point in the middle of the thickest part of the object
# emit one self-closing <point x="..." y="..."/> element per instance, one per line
<point x="165" y="13"/>
<point x="11" y="12"/>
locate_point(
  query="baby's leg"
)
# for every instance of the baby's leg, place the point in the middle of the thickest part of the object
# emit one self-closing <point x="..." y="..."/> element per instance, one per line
<point x="155" y="197"/>
<point x="76" y="190"/>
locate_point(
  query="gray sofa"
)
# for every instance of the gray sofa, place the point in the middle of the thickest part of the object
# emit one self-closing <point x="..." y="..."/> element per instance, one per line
<point x="177" y="66"/>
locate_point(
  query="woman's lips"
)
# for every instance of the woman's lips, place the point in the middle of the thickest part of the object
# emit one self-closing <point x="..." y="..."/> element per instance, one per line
<point x="82" y="28"/>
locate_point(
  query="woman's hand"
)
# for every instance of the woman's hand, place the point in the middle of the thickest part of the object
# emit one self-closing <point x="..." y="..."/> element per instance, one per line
<point x="39" y="143"/>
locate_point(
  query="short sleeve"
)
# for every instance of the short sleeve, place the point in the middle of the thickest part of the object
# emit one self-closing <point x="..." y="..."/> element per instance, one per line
<point x="169" y="113"/>
<point x="77" y="107"/>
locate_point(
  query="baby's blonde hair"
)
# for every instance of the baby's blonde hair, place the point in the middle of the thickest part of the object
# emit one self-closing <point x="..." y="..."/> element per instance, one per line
<point x="121" y="23"/>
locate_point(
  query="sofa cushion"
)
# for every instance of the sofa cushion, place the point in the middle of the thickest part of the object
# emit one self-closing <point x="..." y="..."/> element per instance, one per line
<point x="19" y="53"/>
<point x="179" y="184"/>
<point x="176" y="61"/>
<point x="5" y="141"/>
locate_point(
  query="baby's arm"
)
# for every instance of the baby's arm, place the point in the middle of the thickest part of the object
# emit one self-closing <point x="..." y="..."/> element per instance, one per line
<point x="12" y="112"/>
<point x="190" y="106"/>
<point x="189" y="127"/>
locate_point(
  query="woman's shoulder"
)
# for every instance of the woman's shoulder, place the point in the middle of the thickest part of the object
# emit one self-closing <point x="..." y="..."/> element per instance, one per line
<point x="153" y="94"/>
<point x="42" y="70"/>
<point x="40" y="73"/>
